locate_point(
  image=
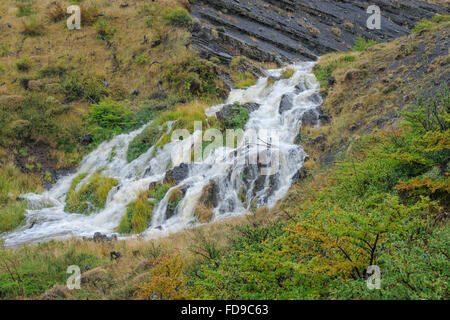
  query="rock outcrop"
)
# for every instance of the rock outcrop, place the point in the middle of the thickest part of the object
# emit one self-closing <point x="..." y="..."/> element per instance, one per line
<point x="282" y="30"/>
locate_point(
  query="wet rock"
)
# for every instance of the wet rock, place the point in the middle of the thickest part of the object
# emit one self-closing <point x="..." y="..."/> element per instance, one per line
<point x="174" y="199"/>
<point x="98" y="237"/>
<point x="177" y="174"/>
<point x="325" y="118"/>
<point x="287" y="103"/>
<point x="230" y="110"/>
<point x="210" y="196"/>
<point x="299" y="88"/>
<point x="315" y="98"/>
<point x="310" y="117"/>
<point x="115" y="255"/>
<point x="300" y="175"/>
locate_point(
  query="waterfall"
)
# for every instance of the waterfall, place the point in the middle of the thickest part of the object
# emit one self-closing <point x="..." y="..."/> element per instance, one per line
<point x="227" y="167"/>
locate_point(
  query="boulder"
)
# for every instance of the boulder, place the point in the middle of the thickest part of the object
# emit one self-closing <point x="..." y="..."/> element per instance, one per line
<point x="229" y="110"/>
<point x="315" y="98"/>
<point x="287" y="103"/>
<point x="299" y="88"/>
<point x="310" y="117"/>
<point x="177" y="174"/>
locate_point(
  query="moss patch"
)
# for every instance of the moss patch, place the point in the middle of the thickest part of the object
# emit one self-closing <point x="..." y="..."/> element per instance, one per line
<point x="91" y="197"/>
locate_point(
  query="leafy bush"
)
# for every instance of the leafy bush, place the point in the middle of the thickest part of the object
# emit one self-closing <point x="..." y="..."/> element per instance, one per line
<point x="178" y="17"/>
<point x="24" y="10"/>
<point x="139" y="214"/>
<point x="77" y="87"/>
<point x="28" y="272"/>
<point x="23" y="65"/>
<point x="144" y="141"/>
<point x="239" y="118"/>
<point x="362" y="44"/>
<point x="33" y="26"/>
<point x="191" y="76"/>
<point x="105" y="31"/>
<point x="423" y="24"/>
<point x="112" y="116"/>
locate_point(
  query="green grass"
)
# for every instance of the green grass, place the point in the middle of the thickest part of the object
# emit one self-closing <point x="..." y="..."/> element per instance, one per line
<point x="13" y="183"/>
<point x="91" y="196"/>
<point x="139" y="212"/>
<point x="288" y="73"/>
<point x="362" y="44"/>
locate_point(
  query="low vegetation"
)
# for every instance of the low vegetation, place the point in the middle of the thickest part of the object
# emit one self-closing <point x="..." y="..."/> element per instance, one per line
<point x="91" y="196"/>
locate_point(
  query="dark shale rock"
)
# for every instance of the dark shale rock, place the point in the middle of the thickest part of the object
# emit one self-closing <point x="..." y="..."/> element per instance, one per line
<point x="229" y="110"/>
<point x="287" y="103"/>
<point x="311" y="117"/>
<point x="177" y="174"/>
<point x="283" y="30"/>
<point x="210" y="196"/>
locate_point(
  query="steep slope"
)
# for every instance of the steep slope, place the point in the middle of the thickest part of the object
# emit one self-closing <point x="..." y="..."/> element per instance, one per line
<point x="299" y="29"/>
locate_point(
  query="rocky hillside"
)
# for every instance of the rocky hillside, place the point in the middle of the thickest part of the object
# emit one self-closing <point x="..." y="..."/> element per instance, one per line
<point x="297" y="29"/>
<point x="374" y="191"/>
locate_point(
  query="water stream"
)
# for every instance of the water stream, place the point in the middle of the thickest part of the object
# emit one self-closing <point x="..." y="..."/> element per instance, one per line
<point x="229" y="168"/>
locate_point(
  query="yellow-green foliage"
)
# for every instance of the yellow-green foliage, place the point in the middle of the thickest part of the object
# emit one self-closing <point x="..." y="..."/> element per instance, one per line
<point x="139" y="214"/>
<point x="12" y="184"/>
<point x="155" y="134"/>
<point x="427" y="24"/>
<point x="91" y="196"/>
<point x="174" y="199"/>
<point x="288" y="73"/>
<point x="166" y="281"/>
<point x="241" y="78"/>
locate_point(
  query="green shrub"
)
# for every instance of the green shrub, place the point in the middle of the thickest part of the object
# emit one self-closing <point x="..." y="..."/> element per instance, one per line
<point x="239" y="118"/>
<point x="362" y="44"/>
<point x="144" y="141"/>
<point x="33" y="26"/>
<point x="104" y="30"/>
<point x="37" y="109"/>
<point x="112" y="115"/>
<point x="30" y="271"/>
<point x="52" y="71"/>
<point x="178" y="17"/>
<point x="190" y="77"/>
<point x="23" y="65"/>
<point x="78" y="87"/>
<point x="24" y="10"/>
<point x="423" y="24"/>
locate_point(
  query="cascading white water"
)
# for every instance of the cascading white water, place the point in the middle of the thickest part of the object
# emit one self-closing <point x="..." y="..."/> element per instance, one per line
<point x="227" y="167"/>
